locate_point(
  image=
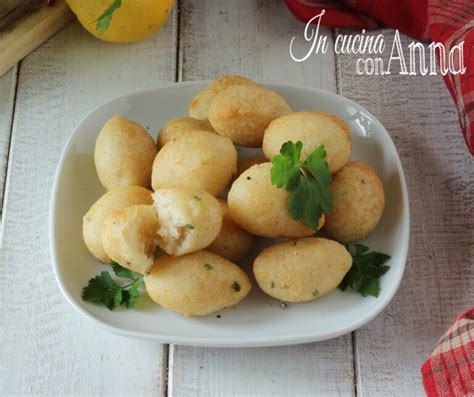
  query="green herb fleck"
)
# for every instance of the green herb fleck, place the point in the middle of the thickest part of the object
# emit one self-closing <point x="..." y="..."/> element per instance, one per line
<point x="315" y="292"/>
<point x="197" y="198"/>
<point x="367" y="268"/>
<point x="103" y="290"/>
<point x="235" y="286"/>
<point x="308" y="181"/>
<point x="103" y="22"/>
<point x="189" y="226"/>
<point x="208" y="267"/>
<point x="272" y="285"/>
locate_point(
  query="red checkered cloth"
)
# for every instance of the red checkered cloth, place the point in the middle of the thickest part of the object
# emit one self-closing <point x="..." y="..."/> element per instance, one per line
<point x="446" y="21"/>
<point x="449" y="371"/>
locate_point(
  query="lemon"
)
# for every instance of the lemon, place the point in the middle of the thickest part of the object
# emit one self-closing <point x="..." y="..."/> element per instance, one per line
<point x="121" y="21"/>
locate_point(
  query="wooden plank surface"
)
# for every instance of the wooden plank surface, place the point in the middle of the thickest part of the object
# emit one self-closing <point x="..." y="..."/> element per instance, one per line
<point x="30" y="29"/>
<point x="7" y="96"/>
<point x="46" y="348"/>
<point x="438" y="282"/>
<point x="252" y="38"/>
<point x="317" y="369"/>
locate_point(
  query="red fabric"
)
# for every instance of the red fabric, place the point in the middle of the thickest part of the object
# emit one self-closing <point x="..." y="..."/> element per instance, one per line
<point x="446" y="21"/>
<point x="449" y="371"/>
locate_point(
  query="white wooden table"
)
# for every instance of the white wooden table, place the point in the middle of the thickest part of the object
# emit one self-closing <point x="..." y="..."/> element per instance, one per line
<point x="48" y="349"/>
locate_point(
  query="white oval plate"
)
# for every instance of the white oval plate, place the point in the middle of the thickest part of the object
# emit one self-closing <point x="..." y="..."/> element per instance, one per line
<point x="258" y="320"/>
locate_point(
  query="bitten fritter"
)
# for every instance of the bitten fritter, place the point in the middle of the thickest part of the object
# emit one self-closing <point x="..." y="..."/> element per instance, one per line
<point x="189" y="220"/>
<point x="129" y="237"/>
<point x="114" y="200"/>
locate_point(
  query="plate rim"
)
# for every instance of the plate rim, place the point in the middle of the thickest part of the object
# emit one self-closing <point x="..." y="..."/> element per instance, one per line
<point x="227" y="341"/>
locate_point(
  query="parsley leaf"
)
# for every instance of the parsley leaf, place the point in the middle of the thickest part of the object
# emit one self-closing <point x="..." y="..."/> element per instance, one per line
<point x="308" y="181"/>
<point x="102" y="23"/>
<point x="131" y="295"/>
<point x="367" y="268"/>
<point x="103" y="290"/>
<point x="123" y="272"/>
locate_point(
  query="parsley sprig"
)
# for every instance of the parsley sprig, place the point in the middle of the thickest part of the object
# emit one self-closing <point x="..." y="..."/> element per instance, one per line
<point x="308" y="181"/>
<point x="367" y="268"/>
<point x="102" y="23"/>
<point x="103" y="290"/>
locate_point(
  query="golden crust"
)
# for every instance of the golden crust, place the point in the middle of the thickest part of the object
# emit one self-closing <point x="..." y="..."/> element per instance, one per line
<point x="313" y="128"/>
<point x="262" y="209"/>
<point x="301" y="270"/>
<point x="201" y="160"/>
<point x="114" y="200"/>
<point x="129" y="237"/>
<point x="199" y="105"/>
<point x="243" y="113"/>
<point x="196" y="284"/>
<point x="233" y="242"/>
<point x="358" y="202"/>
<point x="124" y="154"/>
<point x="180" y="126"/>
